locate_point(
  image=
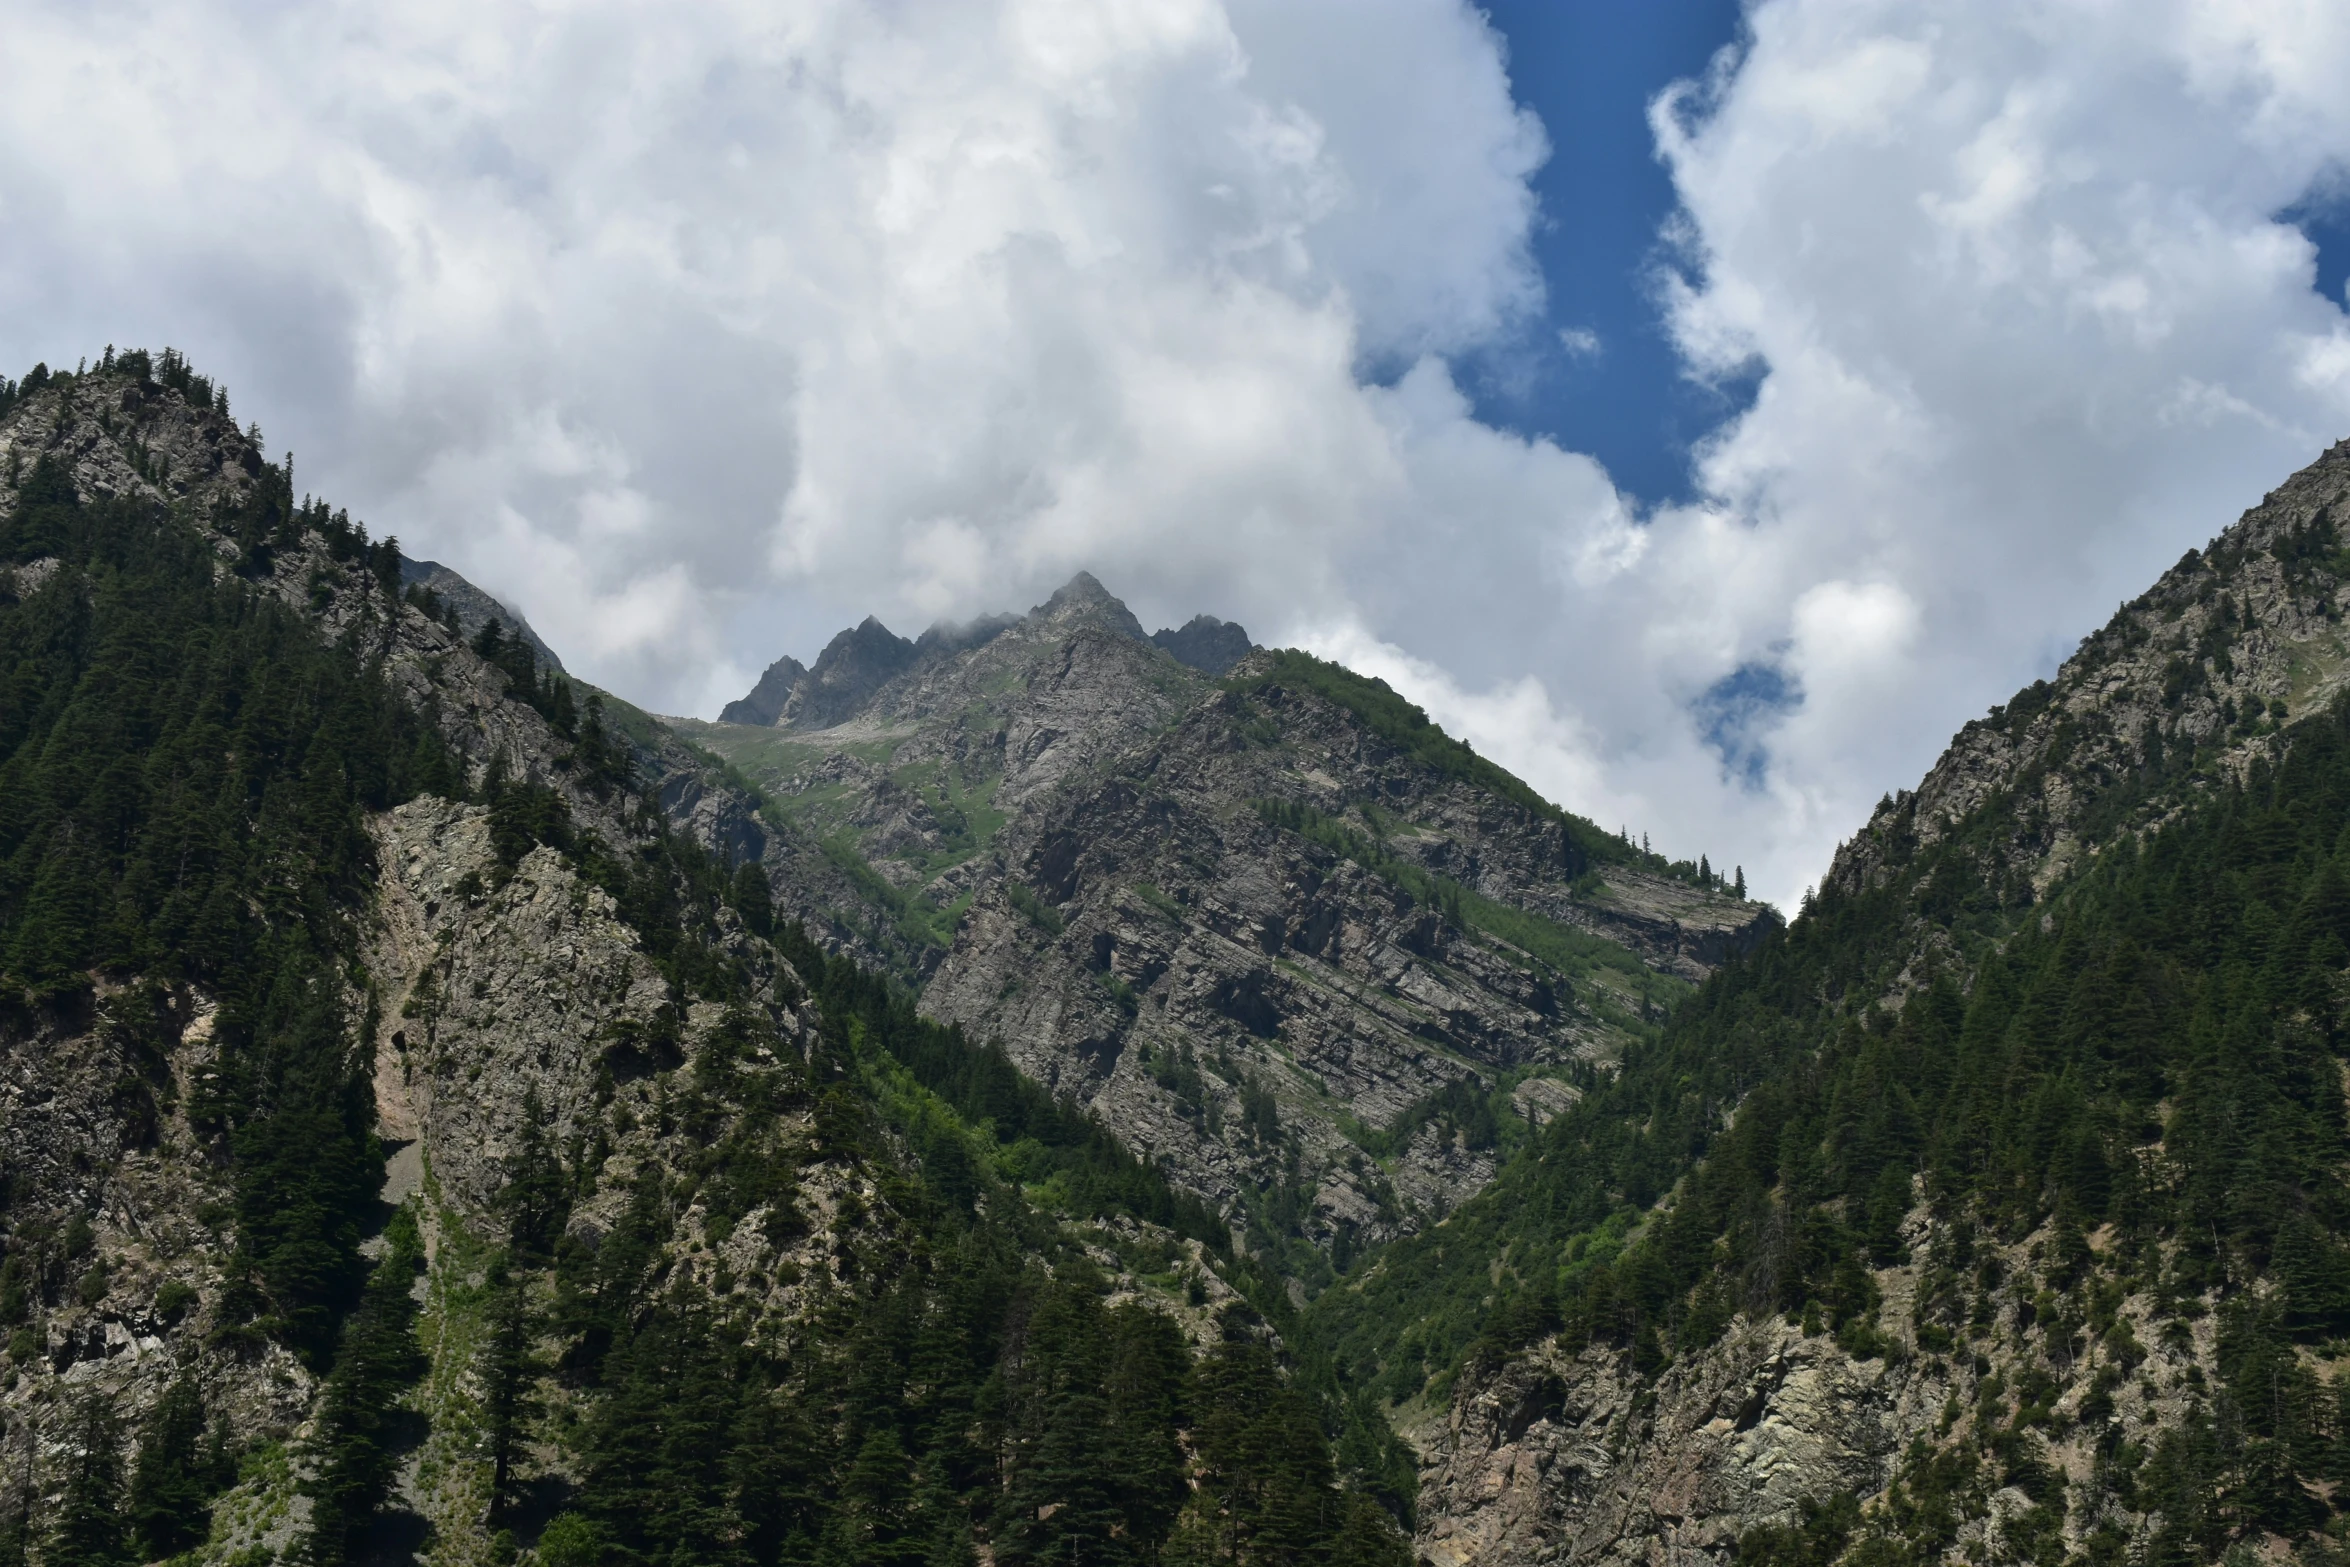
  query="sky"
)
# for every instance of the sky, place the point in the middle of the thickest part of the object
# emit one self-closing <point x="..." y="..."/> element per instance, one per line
<point x="1703" y="410"/>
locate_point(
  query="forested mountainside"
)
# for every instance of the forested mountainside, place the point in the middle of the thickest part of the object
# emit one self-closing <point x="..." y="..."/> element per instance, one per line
<point x="1046" y="1093"/>
<point x="1995" y="1209"/>
<point x="1321" y="963"/>
<point x="422" y="1139"/>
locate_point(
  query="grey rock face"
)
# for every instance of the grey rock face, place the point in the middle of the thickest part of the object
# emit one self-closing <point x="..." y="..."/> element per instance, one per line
<point x="920" y="779"/>
<point x="766" y="701"/>
<point x="1180" y="955"/>
<point x="851" y="668"/>
<point x="94" y="1130"/>
<point x="494" y="998"/>
<point x="474" y="607"/>
<point x="1181" y="959"/>
<point x="1561" y="1457"/>
<point x="1207" y="644"/>
<point x="1083" y="601"/>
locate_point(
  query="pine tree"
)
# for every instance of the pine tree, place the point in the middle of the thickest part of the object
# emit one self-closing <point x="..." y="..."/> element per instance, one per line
<point x="180" y="1468"/>
<point x="89" y="1529"/>
<point x="505" y="1369"/>
<point x="355" y="1447"/>
<point x="536" y="1199"/>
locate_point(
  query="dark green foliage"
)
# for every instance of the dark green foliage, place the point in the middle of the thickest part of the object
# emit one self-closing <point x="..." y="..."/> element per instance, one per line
<point x="2157" y="1047"/>
<point x="182" y="1465"/>
<point x="183" y="770"/>
<point x="88" y="1529"/>
<point x="536" y="1199"/>
<point x="599" y="759"/>
<point x="171" y="370"/>
<point x="1266" y="1481"/>
<point x="47" y="511"/>
<point x="1462" y="1109"/>
<point x="1818" y="1540"/>
<point x="1033" y="908"/>
<point x="964" y="1381"/>
<point x="753" y="899"/>
<point x="1092" y="1401"/>
<point x="506" y="1369"/>
<point x="357" y="1445"/>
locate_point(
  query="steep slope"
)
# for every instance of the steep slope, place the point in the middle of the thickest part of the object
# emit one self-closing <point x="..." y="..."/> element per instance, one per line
<point x="885" y="815"/>
<point x="692" y="1239"/>
<point x="472" y="608"/>
<point x="1994" y="1209"/>
<point x="1319" y="960"/>
<point x="1321" y="975"/>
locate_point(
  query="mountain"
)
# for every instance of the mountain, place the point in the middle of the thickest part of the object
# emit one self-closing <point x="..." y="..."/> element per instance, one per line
<point x="1996" y="1208"/>
<point x="1320" y="962"/>
<point x="1047" y="1093"/>
<point x="421" y="1137"/>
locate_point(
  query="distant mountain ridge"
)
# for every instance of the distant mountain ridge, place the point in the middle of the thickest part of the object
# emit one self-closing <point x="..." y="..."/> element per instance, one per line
<point x="856" y="663"/>
<point x="1250" y="908"/>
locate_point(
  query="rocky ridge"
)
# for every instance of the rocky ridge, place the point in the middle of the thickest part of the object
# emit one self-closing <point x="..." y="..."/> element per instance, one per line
<point x="507" y="1005"/>
<point x="1556" y="1457"/>
<point x="1168" y="951"/>
<point x="2229" y="645"/>
<point x="1547" y="1456"/>
<point x="1065" y="830"/>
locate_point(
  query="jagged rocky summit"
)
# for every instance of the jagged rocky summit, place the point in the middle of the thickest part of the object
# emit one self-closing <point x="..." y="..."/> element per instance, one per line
<point x="857" y="663"/>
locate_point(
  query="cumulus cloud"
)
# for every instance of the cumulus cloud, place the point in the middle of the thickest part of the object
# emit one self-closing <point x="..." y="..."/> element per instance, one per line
<point x="699" y="332"/>
<point x="2029" y="326"/>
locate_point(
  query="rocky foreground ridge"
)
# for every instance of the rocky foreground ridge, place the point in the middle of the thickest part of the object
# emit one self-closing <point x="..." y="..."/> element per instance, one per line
<point x="629" y="1145"/>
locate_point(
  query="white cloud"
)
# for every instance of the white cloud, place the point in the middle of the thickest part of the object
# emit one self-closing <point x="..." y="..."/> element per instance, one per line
<point x="798" y="312"/>
<point x="2029" y="331"/>
<point x="699" y="332"/>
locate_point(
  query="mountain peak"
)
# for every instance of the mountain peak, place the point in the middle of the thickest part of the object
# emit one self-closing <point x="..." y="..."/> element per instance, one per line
<point x="766" y="701"/>
<point x="851" y="668"/>
<point x="1207" y="644"/>
<point x="1082" y="600"/>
